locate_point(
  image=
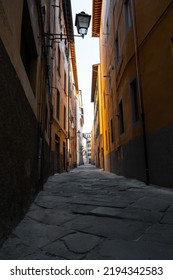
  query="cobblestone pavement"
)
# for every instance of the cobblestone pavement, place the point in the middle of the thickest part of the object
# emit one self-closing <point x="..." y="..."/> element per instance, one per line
<point x="91" y="214"/>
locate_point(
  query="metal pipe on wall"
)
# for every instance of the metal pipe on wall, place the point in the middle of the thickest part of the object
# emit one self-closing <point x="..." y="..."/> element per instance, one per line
<point x="140" y="93"/>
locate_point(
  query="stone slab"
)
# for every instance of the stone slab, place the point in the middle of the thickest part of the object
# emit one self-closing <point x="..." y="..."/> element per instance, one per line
<point x="81" y="242"/>
<point x="128" y="213"/>
<point x="132" y="250"/>
<point x="170" y="209"/>
<point x="151" y="203"/>
<point x="14" y="249"/>
<point x="168" y="218"/>
<point x="50" y="216"/>
<point x="50" y="201"/>
<point x="106" y="212"/>
<point x="107" y="227"/>
<point x="161" y="233"/>
<point x="121" y="203"/>
<point x="141" y="214"/>
<point x="36" y="234"/>
<point x="59" y="249"/>
<point x="41" y="255"/>
<point x="82" y="209"/>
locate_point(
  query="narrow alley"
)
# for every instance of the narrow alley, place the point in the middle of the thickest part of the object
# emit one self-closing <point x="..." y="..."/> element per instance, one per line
<point x="92" y="214"/>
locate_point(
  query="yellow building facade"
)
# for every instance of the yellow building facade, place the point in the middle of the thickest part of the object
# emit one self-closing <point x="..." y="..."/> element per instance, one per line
<point x="97" y="131"/>
<point x="136" y="81"/>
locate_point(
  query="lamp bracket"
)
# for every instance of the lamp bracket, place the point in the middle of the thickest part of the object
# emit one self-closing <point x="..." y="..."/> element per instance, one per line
<point x="55" y="6"/>
<point x="61" y="36"/>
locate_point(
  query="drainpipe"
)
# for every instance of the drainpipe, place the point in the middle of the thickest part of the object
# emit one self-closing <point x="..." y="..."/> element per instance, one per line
<point x="139" y="85"/>
<point x="68" y="115"/>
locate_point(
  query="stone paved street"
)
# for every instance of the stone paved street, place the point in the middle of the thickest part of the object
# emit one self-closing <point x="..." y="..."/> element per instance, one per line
<point x="91" y="214"/>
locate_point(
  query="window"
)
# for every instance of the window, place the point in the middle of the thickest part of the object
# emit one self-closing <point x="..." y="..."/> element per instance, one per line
<point x="117" y="51"/>
<point x="112" y="131"/>
<point x="109" y="80"/>
<point x="104" y="96"/>
<point x="121" y="118"/>
<point x="64" y="156"/>
<point x="46" y="119"/>
<point x="64" y="117"/>
<point x="43" y="11"/>
<point x="60" y="17"/>
<point x="127" y="15"/>
<point x="107" y="29"/>
<point x="57" y="104"/>
<point x="106" y="140"/>
<point x="65" y="81"/>
<point x="172" y="46"/>
<point x="134" y="101"/>
<point x="28" y="50"/>
<point x="67" y="51"/>
<point x="59" y="61"/>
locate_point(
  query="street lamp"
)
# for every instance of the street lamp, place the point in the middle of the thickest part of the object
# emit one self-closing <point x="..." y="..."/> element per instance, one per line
<point x="82" y="23"/>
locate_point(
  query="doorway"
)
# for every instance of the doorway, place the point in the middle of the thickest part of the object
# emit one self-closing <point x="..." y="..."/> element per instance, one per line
<point x="64" y="157"/>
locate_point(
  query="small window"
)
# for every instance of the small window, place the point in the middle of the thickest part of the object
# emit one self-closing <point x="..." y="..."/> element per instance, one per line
<point x="172" y="46"/>
<point x="28" y="50"/>
<point x="107" y="29"/>
<point x="46" y="119"/>
<point x="64" y="117"/>
<point x="112" y="131"/>
<point x="117" y="51"/>
<point x="121" y="118"/>
<point x="60" y="17"/>
<point x="134" y="101"/>
<point x="58" y="104"/>
<point x="59" y="61"/>
<point x="127" y="15"/>
<point x="104" y="96"/>
<point x="65" y="81"/>
<point x="43" y="11"/>
<point x="106" y="140"/>
<point x="109" y="80"/>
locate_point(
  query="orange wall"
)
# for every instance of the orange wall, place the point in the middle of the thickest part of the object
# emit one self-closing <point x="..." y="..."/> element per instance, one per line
<point x="156" y="61"/>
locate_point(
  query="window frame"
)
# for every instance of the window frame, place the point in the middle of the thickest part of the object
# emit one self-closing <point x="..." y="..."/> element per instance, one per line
<point x="128" y="15"/>
<point x="134" y="97"/>
<point x="112" y="130"/>
<point x="121" y="117"/>
<point x="59" y="61"/>
<point x="58" y="105"/>
<point x="117" y="50"/>
<point x="64" y="117"/>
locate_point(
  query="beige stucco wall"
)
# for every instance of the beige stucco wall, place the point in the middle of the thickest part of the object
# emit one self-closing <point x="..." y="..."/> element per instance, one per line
<point x="10" y="32"/>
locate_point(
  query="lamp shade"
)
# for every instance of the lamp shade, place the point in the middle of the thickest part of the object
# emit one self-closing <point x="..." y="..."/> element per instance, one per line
<point x="82" y="23"/>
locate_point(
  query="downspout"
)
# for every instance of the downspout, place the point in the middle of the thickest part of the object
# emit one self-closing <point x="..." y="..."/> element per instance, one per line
<point x="76" y="136"/>
<point x="140" y="93"/>
<point x="68" y="167"/>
